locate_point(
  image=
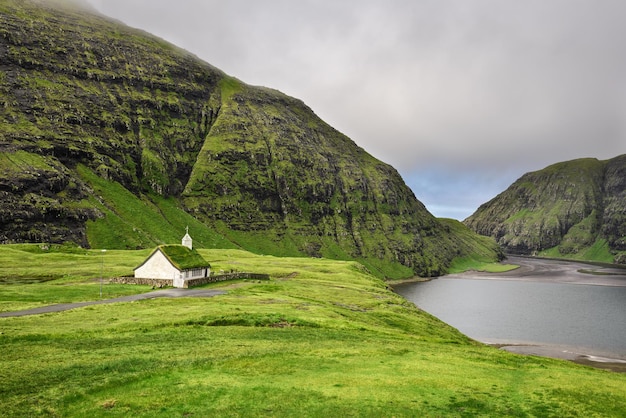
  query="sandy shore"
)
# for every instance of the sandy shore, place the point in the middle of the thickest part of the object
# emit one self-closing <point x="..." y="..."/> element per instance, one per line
<point x="557" y="271"/>
<point x="578" y="355"/>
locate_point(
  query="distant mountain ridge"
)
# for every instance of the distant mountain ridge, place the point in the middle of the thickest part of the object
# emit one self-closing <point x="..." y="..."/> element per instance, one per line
<point x="571" y="209"/>
<point x="111" y="137"/>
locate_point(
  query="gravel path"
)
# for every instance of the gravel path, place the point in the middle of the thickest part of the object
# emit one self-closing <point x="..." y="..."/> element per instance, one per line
<point x="164" y="293"/>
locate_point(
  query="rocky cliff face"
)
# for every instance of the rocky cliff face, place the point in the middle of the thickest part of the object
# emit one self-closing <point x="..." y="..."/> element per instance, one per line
<point x="613" y="225"/>
<point x="76" y="88"/>
<point x="574" y="208"/>
<point x="81" y="95"/>
<point x="270" y="165"/>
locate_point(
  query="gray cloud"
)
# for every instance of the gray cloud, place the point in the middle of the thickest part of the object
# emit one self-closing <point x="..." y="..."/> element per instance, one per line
<point x="461" y="96"/>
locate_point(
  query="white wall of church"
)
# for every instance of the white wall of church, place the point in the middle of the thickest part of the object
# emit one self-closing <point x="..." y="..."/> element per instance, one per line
<point x="157" y="267"/>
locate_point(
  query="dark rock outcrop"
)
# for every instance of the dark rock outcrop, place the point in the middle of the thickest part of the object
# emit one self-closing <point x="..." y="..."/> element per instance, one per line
<point x="77" y="88"/>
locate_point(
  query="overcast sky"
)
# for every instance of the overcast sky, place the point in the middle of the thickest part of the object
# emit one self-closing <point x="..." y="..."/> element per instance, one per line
<point x="462" y="97"/>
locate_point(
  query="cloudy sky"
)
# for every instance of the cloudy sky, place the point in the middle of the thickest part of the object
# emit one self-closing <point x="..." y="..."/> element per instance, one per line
<point x="461" y="96"/>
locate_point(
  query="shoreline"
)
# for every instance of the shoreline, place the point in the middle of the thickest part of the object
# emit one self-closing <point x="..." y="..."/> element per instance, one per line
<point x="555" y="271"/>
<point x="540" y="270"/>
<point x="585" y="273"/>
<point x="578" y="355"/>
<point x="587" y="281"/>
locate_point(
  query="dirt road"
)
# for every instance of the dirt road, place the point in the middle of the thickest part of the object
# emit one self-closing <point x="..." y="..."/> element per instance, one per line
<point x="164" y="293"/>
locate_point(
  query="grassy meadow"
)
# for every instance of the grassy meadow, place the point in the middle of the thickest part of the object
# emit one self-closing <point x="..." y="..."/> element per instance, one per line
<point x="321" y="338"/>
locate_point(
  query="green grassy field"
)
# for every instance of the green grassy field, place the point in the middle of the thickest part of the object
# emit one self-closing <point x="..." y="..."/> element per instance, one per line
<point x="321" y="338"/>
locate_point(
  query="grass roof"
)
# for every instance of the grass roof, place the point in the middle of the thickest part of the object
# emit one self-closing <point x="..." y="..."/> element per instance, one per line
<point x="182" y="257"/>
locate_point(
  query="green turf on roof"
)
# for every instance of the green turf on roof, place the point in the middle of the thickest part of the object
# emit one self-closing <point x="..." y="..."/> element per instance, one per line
<point x="182" y="257"/>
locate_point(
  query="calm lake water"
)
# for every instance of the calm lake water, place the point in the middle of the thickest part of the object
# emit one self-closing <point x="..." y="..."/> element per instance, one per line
<point x="591" y="318"/>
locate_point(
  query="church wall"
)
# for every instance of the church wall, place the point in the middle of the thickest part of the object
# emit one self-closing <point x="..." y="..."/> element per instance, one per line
<point x="157" y="267"/>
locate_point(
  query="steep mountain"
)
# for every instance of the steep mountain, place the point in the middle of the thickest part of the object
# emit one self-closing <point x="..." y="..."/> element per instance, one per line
<point x="571" y="209"/>
<point x="112" y="137"/>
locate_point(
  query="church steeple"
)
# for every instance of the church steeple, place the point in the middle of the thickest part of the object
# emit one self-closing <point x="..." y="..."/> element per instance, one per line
<point x="187" y="239"/>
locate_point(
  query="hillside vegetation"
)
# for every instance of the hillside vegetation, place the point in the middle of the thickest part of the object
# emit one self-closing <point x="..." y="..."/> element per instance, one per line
<point x="111" y="137"/>
<point x="574" y="209"/>
<point x="321" y="338"/>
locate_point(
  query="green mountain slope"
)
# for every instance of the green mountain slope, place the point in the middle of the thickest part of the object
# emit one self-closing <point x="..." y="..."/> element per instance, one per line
<point x="574" y="209"/>
<point x="113" y="137"/>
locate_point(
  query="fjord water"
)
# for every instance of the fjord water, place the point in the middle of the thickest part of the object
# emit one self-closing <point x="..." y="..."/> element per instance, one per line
<point x="553" y="305"/>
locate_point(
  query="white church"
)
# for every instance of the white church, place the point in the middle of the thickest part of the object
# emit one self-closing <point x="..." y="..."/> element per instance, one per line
<point x="174" y="262"/>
